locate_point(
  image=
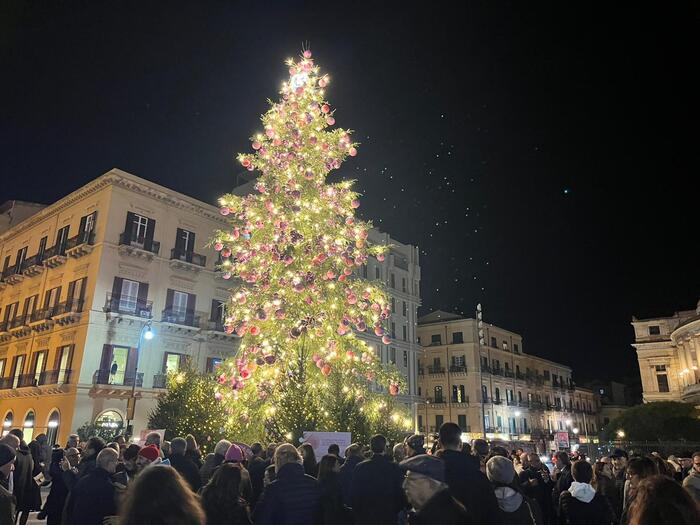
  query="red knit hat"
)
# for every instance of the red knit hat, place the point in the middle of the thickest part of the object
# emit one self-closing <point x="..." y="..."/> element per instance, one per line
<point x="150" y="452"/>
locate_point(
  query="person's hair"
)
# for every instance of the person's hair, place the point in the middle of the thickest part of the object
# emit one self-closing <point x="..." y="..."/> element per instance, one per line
<point x="377" y="444"/>
<point x="95" y="443"/>
<point x="398" y="452"/>
<point x="562" y="457"/>
<point x="153" y="438"/>
<point x="353" y="449"/>
<point x="466" y="449"/>
<point x="450" y="434"/>
<point x="256" y="448"/>
<point x="106" y="456"/>
<point x="309" y="457"/>
<point x="191" y="442"/>
<point x="216" y="495"/>
<point x="480" y="447"/>
<point x="284" y="454"/>
<point x="160" y="496"/>
<point x="17" y="432"/>
<point x="178" y="446"/>
<point x="11" y="440"/>
<point x="661" y="501"/>
<point x="71" y="436"/>
<point x="222" y="447"/>
<point x="499" y="451"/>
<point x="270" y="452"/>
<point x="326" y="466"/>
<point x="57" y="455"/>
<point x="113" y="445"/>
<point x="662" y="466"/>
<point x="333" y="449"/>
<point x="582" y="471"/>
<point x="132" y="451"/>
<point x="642" y="467"/>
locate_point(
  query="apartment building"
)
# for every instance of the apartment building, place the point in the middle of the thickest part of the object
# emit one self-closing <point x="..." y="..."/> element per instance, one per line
<point x="495" y="389"/>
<point x="81" y="280"/>
<point x="667" y="352"/>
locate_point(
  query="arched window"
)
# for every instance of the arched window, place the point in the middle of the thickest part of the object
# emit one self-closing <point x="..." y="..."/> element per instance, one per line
<point x="7" y="423"/>
<point x="28" y="426"/>
<point x="498" y="395"/>
<point x="52" y="427"/>
<point x="109" y="419"/>
<point x="484" y="394"/>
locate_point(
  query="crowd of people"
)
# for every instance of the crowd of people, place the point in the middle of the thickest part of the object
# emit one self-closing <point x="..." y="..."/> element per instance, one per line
<point x="171" y="482"/>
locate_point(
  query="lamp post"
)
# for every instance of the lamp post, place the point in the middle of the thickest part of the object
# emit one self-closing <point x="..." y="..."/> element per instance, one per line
<point x="147" y="334"/>
<point x="480" y="334"/>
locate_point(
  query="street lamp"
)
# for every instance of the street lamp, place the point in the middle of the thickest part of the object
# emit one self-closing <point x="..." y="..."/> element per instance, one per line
<point x="621" y="433"/>
<point x="147" y="334"/>
<point x="575" y="430"/>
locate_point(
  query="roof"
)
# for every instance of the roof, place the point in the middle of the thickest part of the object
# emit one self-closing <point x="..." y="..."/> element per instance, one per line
<point x="439" y="316"/>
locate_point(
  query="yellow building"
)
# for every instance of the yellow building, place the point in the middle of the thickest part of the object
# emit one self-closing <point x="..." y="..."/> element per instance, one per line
<point x="80" y="280"/>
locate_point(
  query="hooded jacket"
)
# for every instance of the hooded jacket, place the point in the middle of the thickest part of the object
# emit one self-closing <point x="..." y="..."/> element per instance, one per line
<point x="581" y="505"/>
<point x="514" y="508"/>
<point x="470" y="486"/>
<point x="691" y="483"/>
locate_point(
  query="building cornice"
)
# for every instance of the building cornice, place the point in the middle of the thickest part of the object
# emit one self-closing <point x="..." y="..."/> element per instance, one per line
<point x="119" y="178"/>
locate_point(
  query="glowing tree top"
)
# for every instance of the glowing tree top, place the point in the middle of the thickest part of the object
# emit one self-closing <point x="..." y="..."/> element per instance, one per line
<point x="294" y="245"/>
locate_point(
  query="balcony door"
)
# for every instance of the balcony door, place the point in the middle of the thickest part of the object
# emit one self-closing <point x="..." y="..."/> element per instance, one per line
<point x="139" y="230"/>
<point x="87" y="226"/>
<point x="52" y="297"/>
<point x="63" y="364"/>
<point x="61" y="240"/>
<point x="184" y="242"/>
<point x="38" y="366"/>
<point x="17" y="369"/>
<point x="118" y="365"/>
<point x="129" y="296"/>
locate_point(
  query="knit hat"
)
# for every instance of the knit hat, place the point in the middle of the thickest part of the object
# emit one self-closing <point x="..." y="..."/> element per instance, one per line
<point x="7" y="454"/>
<point x="234" y="454"/>
<point x="416" y="442"/>
<point x="150" y="452"/>
<point x="427" y="465"/>
<point x="500" y="470"/>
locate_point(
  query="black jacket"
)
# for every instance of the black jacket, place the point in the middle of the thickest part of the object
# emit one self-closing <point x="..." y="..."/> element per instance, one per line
<point x="562" y="483"/>
<point x="91" y="500"/>
<point x="292" y="499"/>
<point x="539" y="491"/>
<point x="441" y="509"/>
<point x="470" y="487"/>
<point x="87" y="465"/>
<point x="347" y="472"/>
<point x="25" y="489"/>
<point x="256" y="469"/>
<point x="187" y="470"/>
<point x="376" y="492"/>
<point x="59" y="491"/>
<point x="332" y="509"/>
<point x="576" y="512"/>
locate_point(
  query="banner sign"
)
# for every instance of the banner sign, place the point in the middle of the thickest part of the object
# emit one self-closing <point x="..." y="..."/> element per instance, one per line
<point x="561" y="439"/>
<point x="321" y="440"/>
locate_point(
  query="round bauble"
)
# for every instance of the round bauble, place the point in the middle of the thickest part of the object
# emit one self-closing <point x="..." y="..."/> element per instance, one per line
<point x="326" y="370"/>
<point x="225" y="210"/>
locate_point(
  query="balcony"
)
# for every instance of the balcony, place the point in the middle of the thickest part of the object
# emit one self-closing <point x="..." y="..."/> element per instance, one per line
<point x="189" y="261"/>
<point x="458" y="369"/>
<point x="520" y="376"/>
<point x="34" y="265"/>
<point x="214" y="329"/>
<point x="180" y="318"/>
<point x="19" y="326"/>
<point x="37" y="379"/>
<point x="141" y="248"/>
<point x="509" y="373"/>
<point x="117" y="304"/>
<point x="436" y="401"/>
<point x="55" y="256"/>
<point x="42" y="318"/>
<point x="103" y="377"/>
<point x="434" y="370"/>
<point x="421" y="371"/>
<point x="13" y="275"/>
<point x="497" y="401"/>
<point x="463" y="401"/>
<point x="65" y="312"/>
<point x="485" y="369"/>
<point x="497" y="371"/>
<point x="160" y="381"/>
<point x="81" y="244"/>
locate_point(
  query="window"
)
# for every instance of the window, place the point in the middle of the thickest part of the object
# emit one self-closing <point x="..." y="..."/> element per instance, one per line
<point x="17" y="369"/>
<point x="172" y="362"/>
<point x="405" y="332"/>
<point x="546" y="375"/>
<point x="660" y="368"/>
<point x="494" y="344"/>
<point x="457" y="338"/>
<point x="484" y="394"/>
<point x="439" y="420"/>
<point x="487" y="422"/>
<point x="458" y="360"/>
<point x="520" y="396"/>
<point x="462" y="422"/>
<point x="110" y="419"/>
<point x="21" y="256"/>
<point x="419" y="392"/>
<point x="525" y="429"/>
<point x="118" y="364"/>
<point x="392" y="280"/>
<point x="218" y="312"/>
<point x="52" y="433"/>
<point x="128" y="297"/>
<point x="403" y="285"/>
<point x="505" y="345"/>
<point x="517" y="369"/>
<point x="498" y="395"/>
<point x="42" y="250"/>
<point x="179" y="307"/>
<point x="654" y="330"/>
<point x="179" y="304"/>
<point x="363" y="271"/>
<point x="392" y="355"/>
<point x="10" y="313"/>
<point x="458" y="394"/>
<point x="511" y="425"/>
<point x="184" y="241"/>
<point x="516" y="349"/>
<point x="139" y="227"/>
<point x="30" y="306"/>
<point x="28" y="425"/>
<point x="61" y="241"/>
<point x="420" y="422"/>
<point x="213" y="363"/>
<point x="662" y="380"/>
<point x="393" y="330"/>
<point x="64" y="356"/>
<point x="38" y="366"/>
<point x="393" y="304"/>
<point x="405" y="359"/>
<point x="87" y="223"/>
<point x="377" y="273"/>
<point x="3" y="363"/>
<point x="7" y="423"/>
<point x="435" y="339"/>
<point x="499" y="423"/>
<point x="76" y="295"/>
<point x="404" y="309"/>
<point x="438" y="394"/>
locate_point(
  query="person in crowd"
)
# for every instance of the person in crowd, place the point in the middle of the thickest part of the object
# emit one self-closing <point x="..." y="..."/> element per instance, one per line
<point x="619" y="459"/>
<point x="293" y="498"/>
<point x="513" y="506"/>
<point x="428" y="495"/>
<point x="41" y="454"/>
<point x="94" y="497"/>
<point x="637" y="469"/>
<point x="53" y="508"/>
<point x="397" y="453"/>
<point x="518" y="462"/>
<point x="414" y="445"/>
<point x="184" y="465"/>
<point x="25" y="489"/>
<point x="69" y="467"/>
<point x="235" y="455"/>
<point x="160" y="496"/>
<point x="332" y="509"/>
<point x="130" y="458"/>
<point x="219" y="500"/>
<point x="535" y="481"/>
<point x="256" y="469"/>
<point x="193" y="453"/>
<point x="604" y="484"/>
<point x="88" y="460"/>
<point x="269" y="475"/>
<point x="270" y="452"/>
<point x="353" y="456"/>
<point x="580" y="504"/>
<point x="675" y="465"/>
<point x="480" y="450"/>
<point x="662" y="466"/>
<point x="153" y="438"/>
<point x="562" y="477"/>
<point x="376" y="493"/>
<point x="465" y="480"/>
<point x="73" y="442"/>
<point x="213" y="460"/>
<point x="147" y="455"/>
<point x="309" y="459"/>
<point x="165" y="449"/>
<point x="7" y="499"/>
<point x="662" y="501"/>
<point x="499" y="451"/>
<point x="691" y="483"/>
<point x="334" y="450"/>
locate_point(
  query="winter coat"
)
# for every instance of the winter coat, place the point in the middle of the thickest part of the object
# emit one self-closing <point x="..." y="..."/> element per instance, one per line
<point x="58" y="494"/>
<point x="470" y="486"/>
<point x="195" y="456"/>
<point x="292" y="499"/>
<point x="235" y="514"/>
<point x="441" y="509"/>
<point x="514" y="508"/>
<point x="25" y="489"/>
<point x="86" y="466"/>
<point x="692" y="484"/>
<point x="539" y="491"/>
<point x="211" y="463"/>
<point x="187" y="470"/>
<point x="332" y="509"/>
<point x="605" y="486"/>
<point x="376" y="493"/>
<point x="7" y="506"/>
<point x="256" y="469"/>
<point x="92" y="499"/>
<point x="575" y="511"/>
<point x="562" y="483"/>
<point x="346" y="474"/>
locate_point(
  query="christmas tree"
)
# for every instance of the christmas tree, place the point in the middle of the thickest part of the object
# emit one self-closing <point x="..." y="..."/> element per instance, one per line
<point x="294" y="245"/>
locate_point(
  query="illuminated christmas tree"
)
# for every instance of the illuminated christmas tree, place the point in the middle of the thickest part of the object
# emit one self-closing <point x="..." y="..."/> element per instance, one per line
<point x="294" y="245"/>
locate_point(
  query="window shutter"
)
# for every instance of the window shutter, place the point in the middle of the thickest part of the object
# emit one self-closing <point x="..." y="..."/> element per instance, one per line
<point x="191" y="302"/>
<point x="83" y="221"/>
<point x="106" y="360"/>
<point x="179" y="241"/>
<point x="150" y="230"/>
<point x="94" y="220"/>
<point x="190" y="243"/>
<point x="142" y="299"/>
<point x="169" y="300"/>
<point x="128" y="227"/>
<point x="71" y="292"/>
<point x="116" y="293"/>
<point x="216" y="309"/>
<point x="131" y="365"/>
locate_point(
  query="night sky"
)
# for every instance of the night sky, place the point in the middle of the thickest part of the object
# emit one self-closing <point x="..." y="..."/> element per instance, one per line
<point x="543" y="157"/>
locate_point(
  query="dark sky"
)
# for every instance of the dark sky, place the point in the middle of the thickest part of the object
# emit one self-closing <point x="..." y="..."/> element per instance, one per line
<point x="544" y="157"/>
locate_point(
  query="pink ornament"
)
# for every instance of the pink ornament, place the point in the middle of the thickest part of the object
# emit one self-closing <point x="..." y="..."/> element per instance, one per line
<point x="242" y="299"/>
<point x="218" y="396"/>
<point x="355" y="203"/>
<point x="322" y="82"/>
<point x="379" y="331"/>
<point x="393" y="389"/>
<point x="288" y="259"/>
<point x="320" y="363"/>
<point x="352" y="152"/>
<point x="325" y="108"/>
<point x="352" y="299"/>
<point x="330" y="121"/>
<point x="330" y="275"/>
<point x="381" y="257"/>
<point x="245" y="162"/>
<point x="226" y="275"/>
<point x="245" y="373"/>
<point x="326" y="370"/>
<point x="218" y="246"/>
<point x="254" y="330"/>
<point x="257" y="145"/>
<point x="270" y="132"/>
<point x="307" y="53"/>
<point x="228" y="328"/>
<point x="361" y="326"/>
<point x="386" y="339"/>
<point x="315" y="357"/>
<point x="350" y="354"/>
<point x="226" y="252"/>
<point x="225" y="210"/>
<point x="280" y="314"/>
